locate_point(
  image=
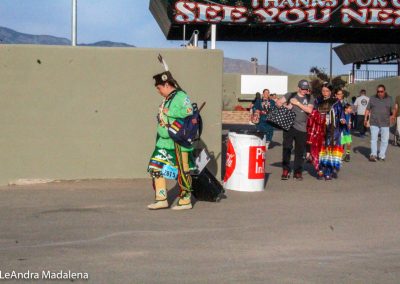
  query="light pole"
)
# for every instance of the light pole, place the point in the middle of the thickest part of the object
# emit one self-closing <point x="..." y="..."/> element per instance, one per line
<point x="330" y="62"/>
<point x="74" y="29"/>
<point x="255" y="61"/>
<point x="213" y="36"/>
<point x="267" y="61"/>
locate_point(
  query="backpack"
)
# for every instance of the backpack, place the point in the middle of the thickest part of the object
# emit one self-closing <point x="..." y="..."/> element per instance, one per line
<point x="185" y="131"/>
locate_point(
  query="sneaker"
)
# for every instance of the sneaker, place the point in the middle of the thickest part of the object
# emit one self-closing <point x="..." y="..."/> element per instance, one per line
<point x="328" y="178"/>
<point x="372" y="158"/>
<point x="298" y="176"/>
<point x="382" y="159"/>
<point x="320" y="175"/>
<point x="285" y="175"/>
<point x="347" y="158"/>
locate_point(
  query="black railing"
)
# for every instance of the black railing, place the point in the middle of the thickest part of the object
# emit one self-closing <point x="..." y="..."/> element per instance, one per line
<point x="369" y="75"/>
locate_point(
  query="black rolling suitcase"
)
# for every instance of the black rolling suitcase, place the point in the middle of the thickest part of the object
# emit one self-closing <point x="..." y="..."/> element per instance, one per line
<point x="206" y="187"/>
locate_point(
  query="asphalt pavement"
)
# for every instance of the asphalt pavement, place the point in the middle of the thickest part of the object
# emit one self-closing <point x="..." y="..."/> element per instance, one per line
<point x="341" y="231"/>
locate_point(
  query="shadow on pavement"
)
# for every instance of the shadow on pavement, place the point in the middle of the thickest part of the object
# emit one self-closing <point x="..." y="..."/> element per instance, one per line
<point x="362" y="150"/>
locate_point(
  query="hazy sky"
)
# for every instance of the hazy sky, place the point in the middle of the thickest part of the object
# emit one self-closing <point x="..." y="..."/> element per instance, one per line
<point x="131" y="22"/>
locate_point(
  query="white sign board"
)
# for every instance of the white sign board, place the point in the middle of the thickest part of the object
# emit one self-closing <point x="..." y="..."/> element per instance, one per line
<point x="251" y="84"/>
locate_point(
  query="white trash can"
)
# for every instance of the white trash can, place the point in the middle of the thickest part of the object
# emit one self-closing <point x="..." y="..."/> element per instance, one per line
<point x="245" y="163"/>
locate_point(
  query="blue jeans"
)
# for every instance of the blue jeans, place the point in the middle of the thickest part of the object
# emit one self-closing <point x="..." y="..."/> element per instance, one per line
<point x="384" y="141"/>
<point x="266" y="128"/>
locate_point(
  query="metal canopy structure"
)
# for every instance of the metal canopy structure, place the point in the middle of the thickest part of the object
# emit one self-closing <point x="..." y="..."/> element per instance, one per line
<point x="369" y="54"/>
<point x="346" y="21"/>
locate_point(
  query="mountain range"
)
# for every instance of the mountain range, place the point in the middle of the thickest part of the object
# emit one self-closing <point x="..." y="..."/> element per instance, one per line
<point x="9" y="36"/>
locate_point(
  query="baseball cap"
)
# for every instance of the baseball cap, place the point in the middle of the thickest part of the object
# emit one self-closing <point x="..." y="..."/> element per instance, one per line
<point x="304" y="85"/>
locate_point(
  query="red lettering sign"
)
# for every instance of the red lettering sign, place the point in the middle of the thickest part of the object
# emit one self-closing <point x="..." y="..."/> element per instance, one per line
<point x="257" y="162"/>
<point x="323" y="13"/>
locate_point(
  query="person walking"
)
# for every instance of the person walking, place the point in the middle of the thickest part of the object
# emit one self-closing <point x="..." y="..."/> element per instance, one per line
<point x="301" y="103"/>
<point x="397" y="113"/>
<point x="265" y="105"/>
<point x="354" y="113"/>
<point x="325" y="126"/>
<point x="168" y="155"/>
<point x="346" y="134"/>
<point x="360" y="106"/>
<point x="380" y="114"/>
<point x="339" y="95"/>
<point x="345" y="130"/>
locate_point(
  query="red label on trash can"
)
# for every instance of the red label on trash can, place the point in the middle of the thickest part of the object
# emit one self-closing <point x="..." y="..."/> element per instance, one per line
<point x="257" y="162"/>
<point x="230" y="161"/>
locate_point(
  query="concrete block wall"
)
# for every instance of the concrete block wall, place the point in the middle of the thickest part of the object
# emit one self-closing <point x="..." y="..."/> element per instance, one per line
<point x="90" y="113"/>
<point x="392" y="87"/>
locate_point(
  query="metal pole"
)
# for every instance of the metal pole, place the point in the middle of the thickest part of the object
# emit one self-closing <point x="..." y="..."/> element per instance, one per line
<point x="213" y="36"/>
<point x="267" y="61"/>
<point x="184" y="35"/>
<point x="330" y="62"/>
<point x="398" y="67"/>
<point x="194" y="39"/>
<point x="254" y="60"/>
<point x="74" y="23"/>
<point x="256" y="63"/>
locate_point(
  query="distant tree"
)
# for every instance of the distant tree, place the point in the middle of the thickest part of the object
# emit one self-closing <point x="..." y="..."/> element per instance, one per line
<point x="319" y="77"/>
<point x="319" y="73"/>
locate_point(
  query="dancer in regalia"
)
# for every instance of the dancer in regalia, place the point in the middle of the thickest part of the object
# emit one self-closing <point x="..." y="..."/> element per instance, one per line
<point x="170" y="160"/>
<point x="324" y="127"/>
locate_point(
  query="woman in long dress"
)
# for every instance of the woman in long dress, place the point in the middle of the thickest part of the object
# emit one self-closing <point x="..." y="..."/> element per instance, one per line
<point x="325" y="125"/>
